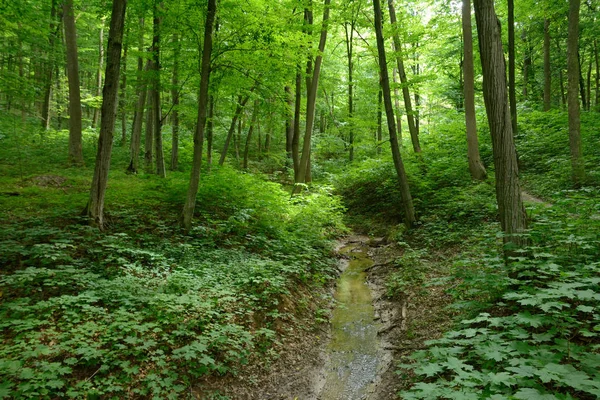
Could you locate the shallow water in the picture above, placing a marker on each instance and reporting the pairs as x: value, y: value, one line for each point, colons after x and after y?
x: 354, y: 352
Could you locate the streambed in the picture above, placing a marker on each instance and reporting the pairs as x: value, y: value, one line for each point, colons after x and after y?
x: 354, y: 355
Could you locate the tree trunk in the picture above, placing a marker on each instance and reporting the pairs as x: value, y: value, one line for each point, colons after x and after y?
x: 581, y: 82
x: 289, y: 123
x: 75, y: 137
x: 547, y: 70
x: 349, y: 30
x: 175, y: 111
x: 209, y: 130
x: 578, y: 172
x: 589, y: 86
x: 123, y: 96
x: 597, y: 75
x: 190, y: 202
x: 138, y: 117
x: 158, y: 143
x: 95, y: 207
x: 379, y: 136
x: 249, y: 135
x: 511, y: 66
x: 561, y: 78
x: 99, y: 72
x: 475, y: 165
x: 54, y: 28
x: 410, y: 116
x: 396, y: 107
x: 513, y: 218
x: 238, y: 111
x: 409, y: 211
x: 311, y: 100
x: 296, y: 125
x: 237, y: 139
x: 149, y: 137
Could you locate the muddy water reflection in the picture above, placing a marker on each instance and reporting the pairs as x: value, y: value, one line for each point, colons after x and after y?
x: 355, y: 354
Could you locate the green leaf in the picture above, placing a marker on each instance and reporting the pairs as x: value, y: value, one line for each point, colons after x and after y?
x: 533, y: 394
x: 430, y: 369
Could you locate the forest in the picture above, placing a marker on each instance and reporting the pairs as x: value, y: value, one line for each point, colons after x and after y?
x: 195, y: 193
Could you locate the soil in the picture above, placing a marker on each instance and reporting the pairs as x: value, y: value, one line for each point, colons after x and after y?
x: 297, y: 372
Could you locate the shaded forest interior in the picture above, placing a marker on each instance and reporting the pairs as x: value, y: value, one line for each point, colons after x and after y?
x: 174, y: 175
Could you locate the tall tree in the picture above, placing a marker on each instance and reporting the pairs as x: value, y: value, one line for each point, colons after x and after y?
x: 175, y: 99
x: 508, y: 192
x: 410, y: 114
x: 249, y: 135
x: 475, y: 165
x: 138, y: 118
x: 123, y: 90
x: 210, y: 130
x: 190, y: 201
x: 311, y: 101
x: 75, y: 136
x: 95, y: 206
x: 547, y: 71
x: 407, y: 203
x: 578, y: 171
x: 156, y: 108
x: 241, y: 103
x: 99, y: 71
x: 511, y: 66
x: 50, y: 68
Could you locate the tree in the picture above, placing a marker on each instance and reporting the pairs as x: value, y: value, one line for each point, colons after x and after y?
x: 175, y: 112
x: 475, y: 165
x: 303, y: 167
x: 249, y: 135
x: 190, y: 201
x: 409, y: 211
x: 511, y: 66
x: 155, y: 93
x: 412, y: 127
x: 95, y: 206
x: 75, y: 136
x: 241, y: 103
x: 508, y: 192
x: 547, y: 71
x: 99, y: 71
x: 578, y: 171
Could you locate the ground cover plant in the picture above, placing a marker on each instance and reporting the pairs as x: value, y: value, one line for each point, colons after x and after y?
x: 143, y: 310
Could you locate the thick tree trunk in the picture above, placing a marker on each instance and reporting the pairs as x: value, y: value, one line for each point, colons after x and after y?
x: 547, y: 70
x: 410, y: 115
x: 475, y: 165
x: 249, y: 135
x: 311, y: 101
x: 75, y: 137
x: 409, y: 211
x: 158, y: 142
x: 175, y: 112
x: 138, y: 118
x: 95, y: 207
x: 513, y: 218
x: 99, y: 72
x: 511, y: 67
x: 578, y: 171
x: 190, y: 202
x: 236, y: 115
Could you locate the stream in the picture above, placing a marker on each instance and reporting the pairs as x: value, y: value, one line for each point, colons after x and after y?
x: 354, y: 354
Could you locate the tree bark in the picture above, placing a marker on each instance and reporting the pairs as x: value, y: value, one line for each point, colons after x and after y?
x: 396, y: 107
x: 547, y: 70
x: 289, y: 123
x: 311, y: 101
x: 238, y: 111
x: 249, y: 135
x: 513, y: 218
x: 581, y: 81
x: 409, y: 211
x: 379, y: 136
x: 138, y: 117
x: 578, y: 171
x: 123, y: 96
x: 475, y: 165
x: 149, y: 137
x: 296, y: 125
x: 588, y: 91
x: 597, y: 105
x: 99, y: 72
x: 156, y: 107
x: 210, y: 130
x: 75, y: 137
x: 190, y: 202
x: 95, y: 207
x: 349, y: 30
x: 175, y: 111
x: 511, y: 66
x: 410, y: 115
x: 54, y: 29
